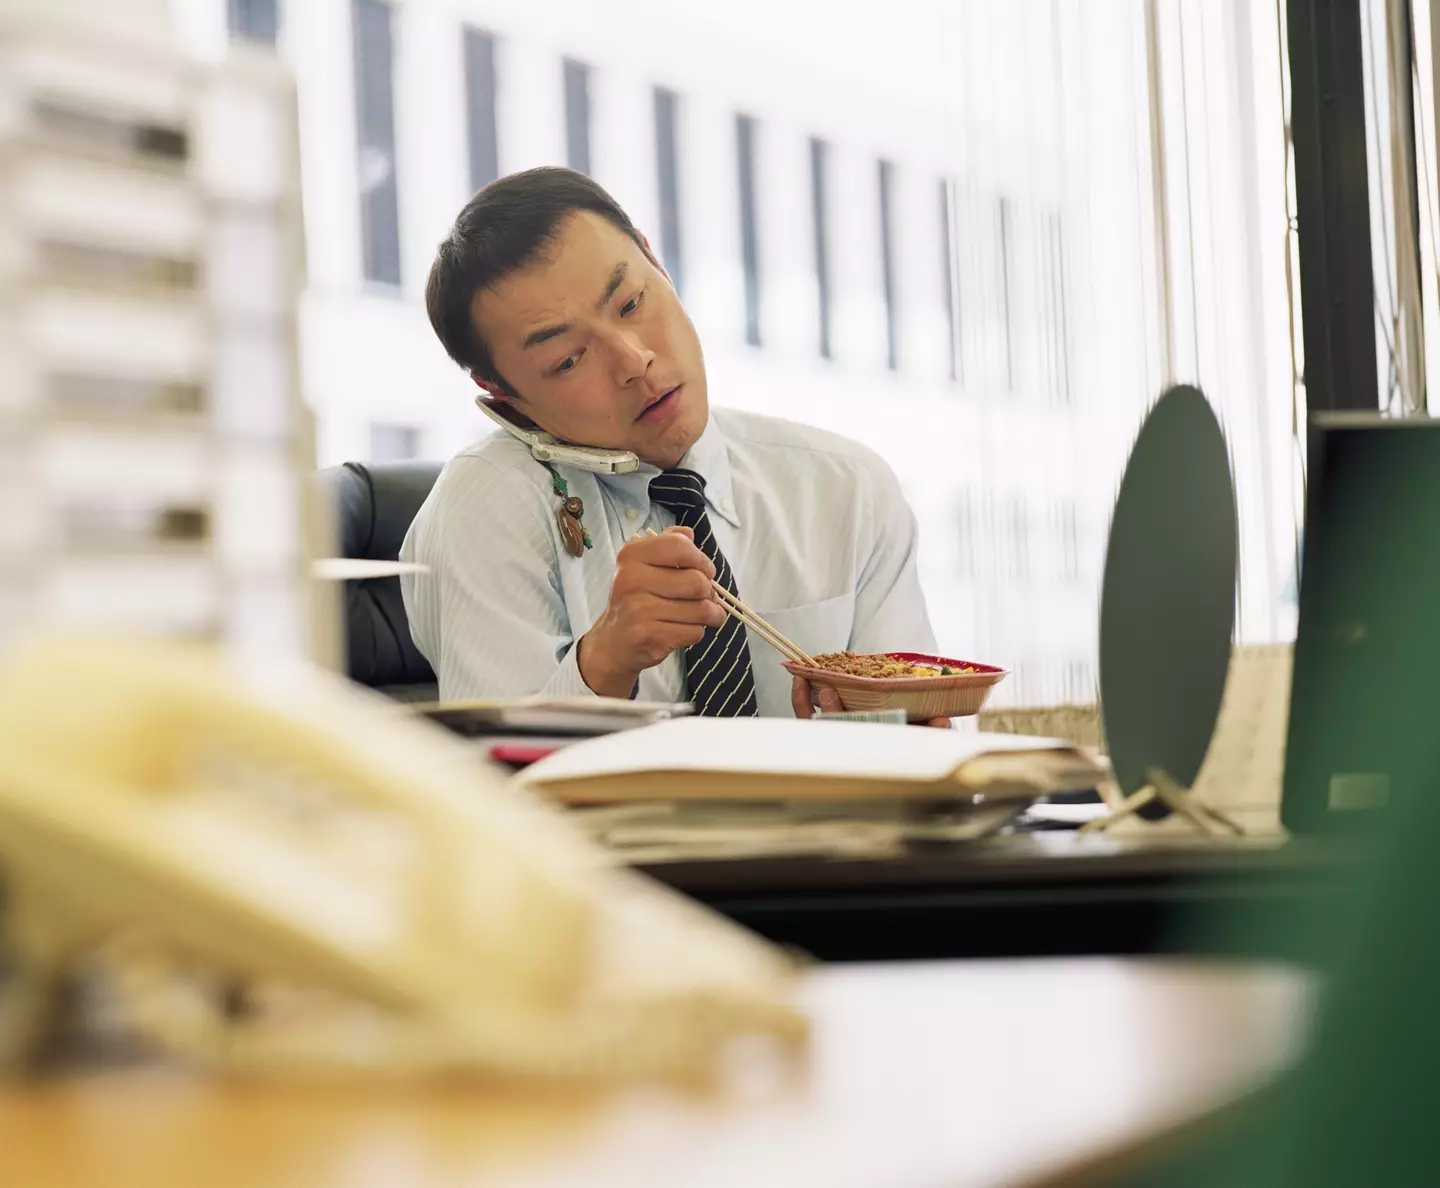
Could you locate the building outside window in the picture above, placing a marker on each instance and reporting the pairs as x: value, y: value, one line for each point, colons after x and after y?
x: 375, y: 131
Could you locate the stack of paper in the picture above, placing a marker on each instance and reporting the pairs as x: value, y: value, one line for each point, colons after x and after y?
x: 653, y: 832
x: 779, y: 759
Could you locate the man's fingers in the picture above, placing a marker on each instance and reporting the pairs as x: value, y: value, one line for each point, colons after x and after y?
x: 669, y: 550
x: 654, y: 608
x: 687, y: 584
x: 800, y: 698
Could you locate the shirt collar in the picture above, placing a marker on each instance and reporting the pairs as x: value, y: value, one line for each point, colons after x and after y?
x: 709, y: 457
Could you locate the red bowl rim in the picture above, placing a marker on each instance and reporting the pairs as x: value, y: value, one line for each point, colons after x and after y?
x: 980, y: 670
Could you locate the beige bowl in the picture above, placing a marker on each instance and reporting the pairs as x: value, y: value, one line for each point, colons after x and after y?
x: 922, y: 698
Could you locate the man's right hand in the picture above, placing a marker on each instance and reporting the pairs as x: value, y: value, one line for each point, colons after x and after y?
x: 660, y: 600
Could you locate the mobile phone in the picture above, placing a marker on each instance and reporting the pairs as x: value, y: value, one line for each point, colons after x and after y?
x: 544, y: 447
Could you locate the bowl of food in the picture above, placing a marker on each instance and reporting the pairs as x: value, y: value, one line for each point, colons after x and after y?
x: 925, y: 687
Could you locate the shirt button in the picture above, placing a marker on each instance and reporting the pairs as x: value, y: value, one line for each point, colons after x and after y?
x: 728, y: 506
x: 631, y: 513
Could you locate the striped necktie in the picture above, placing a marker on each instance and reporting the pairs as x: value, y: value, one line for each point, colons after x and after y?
x: 717, y: 668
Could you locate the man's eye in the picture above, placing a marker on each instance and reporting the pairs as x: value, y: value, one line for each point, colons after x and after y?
x: 569, y: 363
x: 632, y: 305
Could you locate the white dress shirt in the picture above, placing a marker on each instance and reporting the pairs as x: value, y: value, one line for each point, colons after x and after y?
x: 821, y: 540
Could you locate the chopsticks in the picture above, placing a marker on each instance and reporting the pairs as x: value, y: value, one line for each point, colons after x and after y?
x: 738, y: 610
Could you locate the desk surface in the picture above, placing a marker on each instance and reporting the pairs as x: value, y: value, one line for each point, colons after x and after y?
x: 975, y: 1074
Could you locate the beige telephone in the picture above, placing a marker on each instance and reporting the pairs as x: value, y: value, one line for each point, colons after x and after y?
x: 370, y: 894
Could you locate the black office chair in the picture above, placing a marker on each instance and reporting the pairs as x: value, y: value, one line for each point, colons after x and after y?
x: 374, y: 504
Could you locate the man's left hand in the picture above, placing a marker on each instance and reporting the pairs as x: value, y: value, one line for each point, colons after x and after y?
x: 830, y: 703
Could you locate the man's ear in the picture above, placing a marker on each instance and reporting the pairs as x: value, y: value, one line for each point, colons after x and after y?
x: 493, y: 390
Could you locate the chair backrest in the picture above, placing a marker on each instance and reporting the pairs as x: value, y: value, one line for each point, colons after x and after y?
x: 374, y: 504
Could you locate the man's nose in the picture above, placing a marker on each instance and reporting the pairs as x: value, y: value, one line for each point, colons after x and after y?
x: 632, y: 358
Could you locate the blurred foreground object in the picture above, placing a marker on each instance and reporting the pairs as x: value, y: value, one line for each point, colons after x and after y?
x: 967, y: 1074
x: 1358, y: 1107
x: 155, y: 457
x: 284, y: 873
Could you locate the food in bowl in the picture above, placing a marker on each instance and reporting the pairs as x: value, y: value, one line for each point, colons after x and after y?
x: 852, y: 664
x: 924, y: 686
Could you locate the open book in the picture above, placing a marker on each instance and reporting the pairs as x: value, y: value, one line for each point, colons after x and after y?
x: 783, y: 759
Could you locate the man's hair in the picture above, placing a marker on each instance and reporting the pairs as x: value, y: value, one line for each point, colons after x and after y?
x: 507, y: 226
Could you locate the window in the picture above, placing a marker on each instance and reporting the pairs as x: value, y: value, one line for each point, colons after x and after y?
x: 1068, y: 530
x: 1055, y: 314
x: 667, y: 171
x: 255, y: 20
x: 1007, y: 247
x: 820, y: 219
x: 577, y: 115
x: 394, y: 443
x: 887, y: 264
x: 480, y: 108
x: 967, y: 556
x: 375, y: 128
x: 947, y: 253
x: 745, y: 136
x: 981, y: 261
x: 1018, y: 529
x: 1079, y: 683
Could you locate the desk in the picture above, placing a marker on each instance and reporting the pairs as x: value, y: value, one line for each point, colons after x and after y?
x: 1038, y: 894
x: 961, y: 1074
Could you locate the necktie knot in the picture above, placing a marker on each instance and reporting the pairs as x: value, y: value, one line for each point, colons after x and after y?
x: 678, y: 490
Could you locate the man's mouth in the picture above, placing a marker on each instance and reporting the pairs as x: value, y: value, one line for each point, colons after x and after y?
x: 660, y: 407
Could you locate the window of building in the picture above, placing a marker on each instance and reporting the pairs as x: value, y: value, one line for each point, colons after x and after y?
x: 1068, y: 531
x: 394, y: 443
x: 481, y: 125
x: 820, y: 222
x: 1006, y: 219
x: 947, y: 256
x: 1079, y: 683
x: 887, y: 265
x: 745, y: 138
x: 375, y: 128
x: 968, y: 554
x: 981, y: 265
x: 1018, y: 529
x: 577, y: 115
x: 255, y: 20
x: 667, y: 171
x: 1055, y: 299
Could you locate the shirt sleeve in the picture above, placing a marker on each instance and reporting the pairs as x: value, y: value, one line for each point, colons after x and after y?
x: 890, y: 612
x: 489, y: 615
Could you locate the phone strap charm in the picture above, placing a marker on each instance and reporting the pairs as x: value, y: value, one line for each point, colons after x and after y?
x: 569, y: 516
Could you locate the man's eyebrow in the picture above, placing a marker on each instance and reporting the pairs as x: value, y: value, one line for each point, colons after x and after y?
x: 617, y: 278
x: 536, y: 337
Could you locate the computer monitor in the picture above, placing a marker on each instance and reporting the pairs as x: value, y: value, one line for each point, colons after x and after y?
x: 1365, y: 698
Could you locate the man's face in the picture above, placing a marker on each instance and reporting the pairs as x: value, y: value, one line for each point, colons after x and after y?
x: 596, y: 345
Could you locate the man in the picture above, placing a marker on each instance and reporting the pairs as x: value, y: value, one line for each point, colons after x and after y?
x: 554, y: 303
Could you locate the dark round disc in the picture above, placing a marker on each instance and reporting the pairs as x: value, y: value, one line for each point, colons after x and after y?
x: 1167, y: 607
